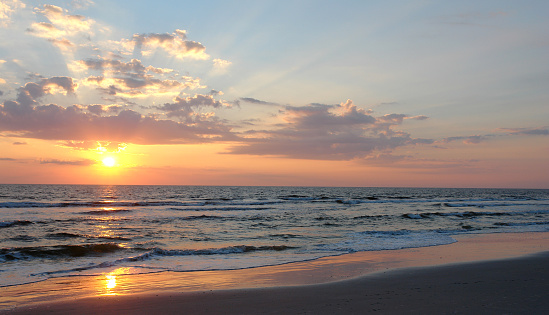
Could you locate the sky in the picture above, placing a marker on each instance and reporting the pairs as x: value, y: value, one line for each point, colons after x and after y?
x: 411, y: 93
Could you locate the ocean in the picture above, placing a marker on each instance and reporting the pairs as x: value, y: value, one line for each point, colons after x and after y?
x: 49, y: 231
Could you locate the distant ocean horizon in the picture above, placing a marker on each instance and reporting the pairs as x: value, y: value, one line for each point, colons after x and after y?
x: 49, y: 231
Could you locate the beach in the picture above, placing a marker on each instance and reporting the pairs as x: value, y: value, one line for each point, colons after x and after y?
x: 490, y: 274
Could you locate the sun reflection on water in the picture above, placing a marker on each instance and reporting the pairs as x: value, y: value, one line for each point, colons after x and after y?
x: 109, y: 286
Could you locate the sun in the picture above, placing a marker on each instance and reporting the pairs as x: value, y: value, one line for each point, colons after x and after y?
x: 109, y: 161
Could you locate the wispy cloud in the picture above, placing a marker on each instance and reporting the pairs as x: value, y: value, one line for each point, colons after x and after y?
x: 543, y: 131
x: 256, y: 101
x: 68, y: 162
x: 7, y: 8
x: 62, y: 28
x: 467, y: 139
x: 220, y: 66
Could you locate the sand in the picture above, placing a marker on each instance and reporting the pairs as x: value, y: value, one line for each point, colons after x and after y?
x: 488, y: 274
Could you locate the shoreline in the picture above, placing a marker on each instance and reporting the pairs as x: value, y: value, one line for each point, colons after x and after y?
x: 364, y: 267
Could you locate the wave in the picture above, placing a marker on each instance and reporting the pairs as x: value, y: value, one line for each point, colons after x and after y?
x: 65, y: 235
x: 24, y: 238
x: 6, y: 224
x: 232, y: 204
x: 129, y: 204
x: 202, y: 217
x: 106, y: 211
x: 390, y: 240
x: 217, y: 208
x: 237, y: 249
x: 60, y: 251
x: 159, y: 252
x: 67, y: 251
x: 492, y: 203
x: 470, y: 214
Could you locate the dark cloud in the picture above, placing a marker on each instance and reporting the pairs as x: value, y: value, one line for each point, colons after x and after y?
x: 328, y: 132
x: 528, y: 131
x: 28, y: 94
x: 256, y: 101
x: 467, y: 139
x: 19, y: 143
x: 506, y: 132
x: 419, y: 117
x: 186, y: 107
x: 102, y: 109
x: 134, y: 66
x: 74, y: 162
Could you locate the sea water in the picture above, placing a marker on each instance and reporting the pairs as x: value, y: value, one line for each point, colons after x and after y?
x: 66, y: 230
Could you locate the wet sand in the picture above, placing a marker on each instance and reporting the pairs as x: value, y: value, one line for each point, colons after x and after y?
x: 488, y: 274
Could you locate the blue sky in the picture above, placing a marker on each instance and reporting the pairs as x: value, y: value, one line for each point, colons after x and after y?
x: 437, y: 89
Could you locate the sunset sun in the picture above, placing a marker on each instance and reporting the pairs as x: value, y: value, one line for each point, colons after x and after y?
x: 109, y: 162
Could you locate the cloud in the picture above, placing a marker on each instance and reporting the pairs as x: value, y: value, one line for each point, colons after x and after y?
x: 19, y: 143
x: 467, y: 139
x: 174, y: 44
x: 220, y: 66
x: 528, y: 131
x: 62, y: 28
x: 81, y: 4
x: 541, y: 131
x: 52, y: 122
x: 71, y: 24
x: 186, y: 107
x: 103, y: 109
x: 410, y: 162
x: 327, y: 132
x: 256, y: 101
x: 68, y: 162
x: 30, y: 92
x: 26, y: 118
x: 7, y: 8
x: 132, y: 79
x: 153, y: 105
x: 418, y: 117
x: 98, y: 146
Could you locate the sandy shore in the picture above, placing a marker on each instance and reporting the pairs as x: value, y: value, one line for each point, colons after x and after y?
x: 488, y: 274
